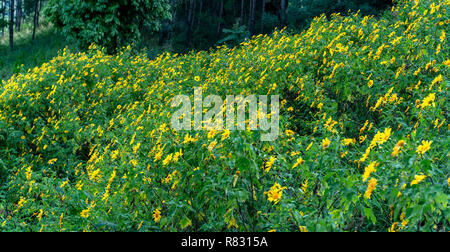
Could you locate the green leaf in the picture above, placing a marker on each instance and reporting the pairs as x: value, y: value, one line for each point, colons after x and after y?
x: 185, y: 222
x: 369, y: 214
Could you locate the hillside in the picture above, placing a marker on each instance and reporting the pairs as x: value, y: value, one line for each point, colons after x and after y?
x: 27, y: 53
x: 86, y: 141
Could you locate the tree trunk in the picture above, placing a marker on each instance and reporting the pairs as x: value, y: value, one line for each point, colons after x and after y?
x: 11, y: 24
x: 174, y: 18
x: 199, y: 14
x: 283, y: 13
x: 3, y: 7
x: 189, y: 23
x: 19, y: 15
x: 242, y: 11
x: 219, y: 26
x: 263, y: 13
x: 36, y: 18
x: 251, y: 23
x: 38, y: 12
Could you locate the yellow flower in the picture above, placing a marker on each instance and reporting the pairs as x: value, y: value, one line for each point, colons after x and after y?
x: 447, y: 62
x: 63, y: 184
x: 114, y: 154
x: 438, y: 49
x: 177, y: 156
x: 370, y: 84
x: 275, y: 193
x: 392, y: 60
x: 189, y: 139
x: 157, y: 215
x: 424, y: 147
x: 381, y: 137
x: 305, y: 186
x: 29, y: 172
x: 52, y: 161
x: 269, y: 164
x: 290, y: 133
x: 303, y: 229
x: 21, y: 202
x: 393, y: 227
x: 132, y: 139
x: 393, y: 98
x: 428, y: 101
x: 79, y: 185
x: 298, y: 162
x: 309, y: 146
x: 369, y: 170
x: 136, y: 148
x: 134, y: 162
x: 211, y: 133
x: 362, y: 138
x: 387, y: 134
x: 397, y: 148
x: 226, y: 134
x: 168, y: 159
x: 348, y: 141
x: 418, y: 179
x: 295, y: 153
x: 330, y: 124
x: 326, y: 143
x: 212, y: 145
x: 233, y: 223
x: 85, y: 213
x: 39, y: 216
x: 372, y: 185
x: 158, y: 156
x: 437, y: 80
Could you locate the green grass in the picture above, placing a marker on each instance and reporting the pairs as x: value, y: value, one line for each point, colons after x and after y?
x: 27, y: 53
x: 48, y: 42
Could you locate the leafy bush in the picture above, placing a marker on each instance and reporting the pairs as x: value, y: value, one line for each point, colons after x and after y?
x: 365, y: 141
x: 108, y: 23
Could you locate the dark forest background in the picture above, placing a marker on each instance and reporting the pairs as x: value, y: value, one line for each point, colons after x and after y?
x: 32, y: 31
x: 200, y: 24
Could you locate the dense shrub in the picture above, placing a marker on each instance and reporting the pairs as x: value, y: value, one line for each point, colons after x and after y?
x: 87, y: 142
x: 111, y: 23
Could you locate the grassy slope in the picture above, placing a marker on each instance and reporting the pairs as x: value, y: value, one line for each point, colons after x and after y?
x: 101, y: 156
x: 27, y: 53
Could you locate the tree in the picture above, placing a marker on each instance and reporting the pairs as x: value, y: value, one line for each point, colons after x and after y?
x: 108, y: 23
x: 283, y: 12
x: 263, y: 13
x: 190, y: 22
x: 3, y: 10
x: 35, y: 18
x: 19, y: 15
x: 219, y: 26
x: 11, y: 24
x: 242, y: 11
x: 251, y: 23
x: 201, y: 24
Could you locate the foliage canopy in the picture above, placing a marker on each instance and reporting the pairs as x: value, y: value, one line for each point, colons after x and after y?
x: 109, y: 23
